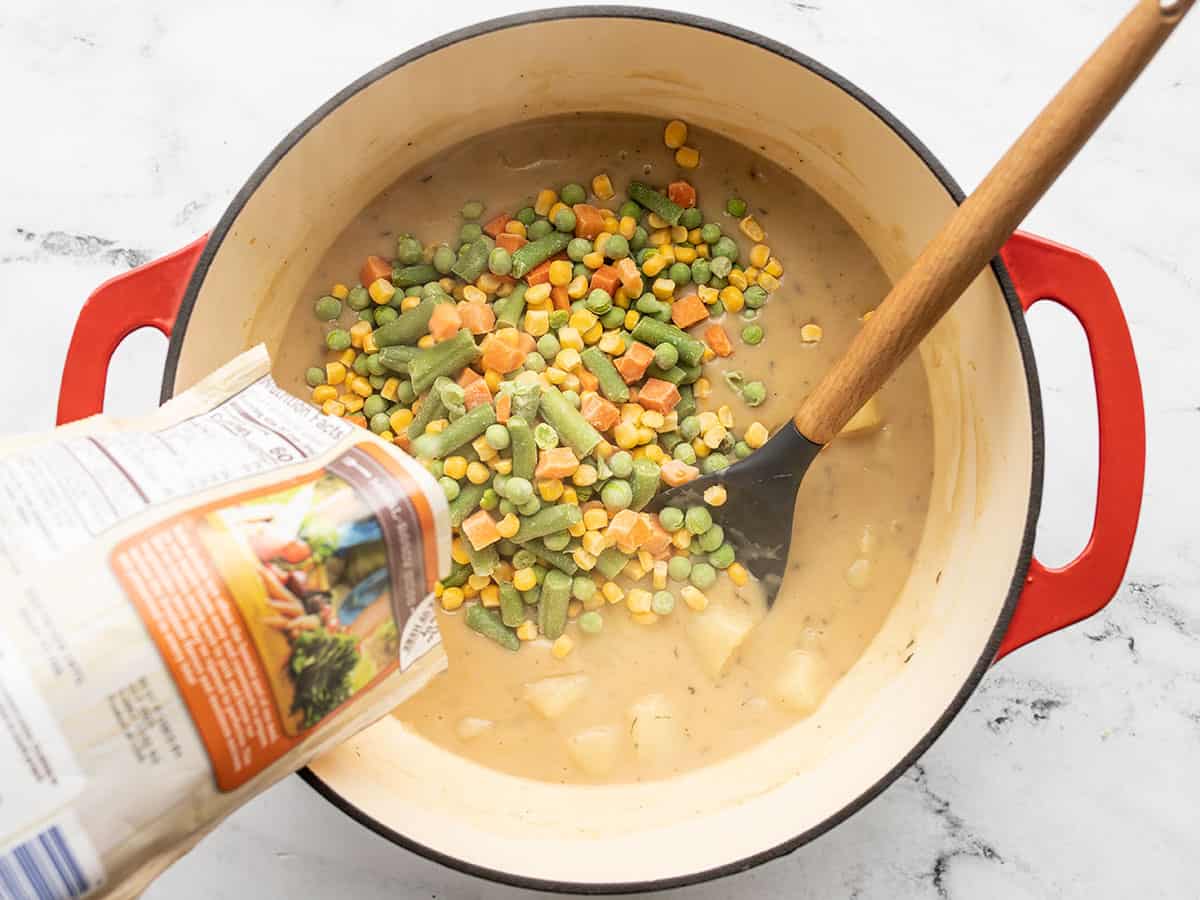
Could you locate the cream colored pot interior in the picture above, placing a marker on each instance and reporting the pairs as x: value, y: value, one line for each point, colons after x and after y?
x: 885, y: 706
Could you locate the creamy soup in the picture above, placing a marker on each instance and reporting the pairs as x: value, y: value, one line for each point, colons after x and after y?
x: 645, y: 701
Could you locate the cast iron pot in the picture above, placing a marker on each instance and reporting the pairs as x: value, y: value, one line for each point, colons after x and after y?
x: 975, y: 593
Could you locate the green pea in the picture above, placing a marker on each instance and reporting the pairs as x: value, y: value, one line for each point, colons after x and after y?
x: 671, y: 518
x: 741, y: 450
x: 617, y: 247
x: 557, y: 541
x: 540, y: 572
x: 374, y: 366
x: 472, y: 209
x: 647, y: 304
x: 408, y: 250
x: 713, y: 463
x: 679, y: 568
x: 637, y: 243
x: 559, y: 318
x: 599, y: 302
x: 506, y: 548
x: 531, y: 507
x: 662, y: 603
x: 379, y: 422
x: 691, y: 218
x: 572, y: 193
x: 583, y: 588
x: 752, y: 334
x: 490, y: 500
x: 584, y: 494
x: 690, y: 427
x: 535, y: 362
x: 497, y: 437
x: 720, y: 267
x: 434, y: 289
x: 685, y: 453
x: 539, y: 229
x: 470, y: 232
x: 450, y: 487
x: 621, y: 464
x: 573, y: 398
x: 374, y: 405
x: 711, y: 539
x: 385, y: 314
x: 435, y: 467
x: 548, y: 346
x: 360, y: 365
x: 579, y: 270
x: 443, y: 258
x: 735, y: 206
x: 499, y: 261
x: 718, y: 282
x: 315, y: 376
x: 525, y: 215
x: 564, y: 221
x: 545, y: 437
x: 722, y: 557
x: 377, y: 382
x: 506, y: 508
x: 616, y: 494
x: 405, y: 393
x: 680, y: 273
x: 591, y: 622
x: 726, y: 247
x: 697, y: 519
x: 710, y: 233
x: 578, y: 248
x: 703, y: 576
x: 630, y: 208
x: 516, y: 489
x: 358, y: 299
x: 338, y: 340
x: 416, y: 290
x: 754, y: 393
x: 701, y: 271
x: 614, y: 318
x: 666, y: 355
x: 327, y: 308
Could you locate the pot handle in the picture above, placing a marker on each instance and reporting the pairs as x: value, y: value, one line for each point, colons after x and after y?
x: 146, y: 296
x: 1055, y: 598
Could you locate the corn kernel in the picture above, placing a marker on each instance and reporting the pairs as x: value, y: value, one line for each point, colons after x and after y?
x: 612, y: 592
x: 457, y: 293
x: 562, y: 646
x: 631, y: 319
x: 594, y: 543
x: 550, y: 489
x: 602, y: 186
x: 657, y: 222
x: 701, y: 448
x: 538, y: 293
x: 716, y: 495
x: 469, y: 592
x: 381, y: 290
x: 585, y: 476
x: 504, y: 290
x: 611, y: 225
x: 768, y: 283
x: 733, y: 298
x: 458, y: 552
x: 664, y: 288
x: 593, y: 334
x: 581, y: 320
x: 483, y: 448
x: 537, y: 322
x: 694, y: 598
x: 400, y: 420
x: 596, y: 519
x: 702, y: 251
x: 751, y: 229
x: 455, y: 467
x: 437, y: 426
x: 583, y: 559
x: 558, y: 207
x: 527, y: 631
x: 576, y: 530
x: 652, y: 418
x: 555, y: 375
x: 352, y: 402
x: 714, y: 436
x: 426, y: 341
x: 389, y: 389
x: 638, y: 600
x: 570, y: 338
x: 574, y: 608
x: 625, y: 435
x: 477, y: 473
x: 489, y: 596
x: 488, y: 283
x: 335, y: 373
x: 409, y: 303
x: 709, y: 354
x: 560, y: 273
x: 593, y: 260
x: 546, y: 198
x: 687, y: 157
x: 760, y: 254
x: 452, y: 598
x: 627, y: 227
x: 567, y: 359
x: 654, y: 264
x: 646, y: 618
x: 867, y: 315
x: 660, y: 236
x: 694, y: 236
x: 756, y: 435
x: 708, y: 295
x: 702, y: 388
x: 358, y: 331
x: 685, y: 254
x: 493, y: 380
x: 515, y: 226
x: 738, y: 575
x: 577, y: 288
x: 738, y: 279
x: 773, y: 267
x: 678, y: 234
x: 569, y: 496
x: 333, y: 408
x: 340, y: 291
x: 524, y: 579
x: 612, y: 343
x: 681, y: 539
x: 386, y: 435
x: 473, y: 294
x: 675, y: 134
x: 323, y: 393
x: 811, y: 333
x: 508, y: 526
x: 751, y: 274
x: 502, y: 466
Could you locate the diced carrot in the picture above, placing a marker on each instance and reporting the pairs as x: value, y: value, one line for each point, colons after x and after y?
x: 402, y: 441
x: 718, y: 340
x: 480, y: 529
x: 658, y: 395
x: 360, y: 420
x: 589, y: 222
x: 494, y: 228
x: 659, y: 541
x: 525, y: 342
x: 468, y: 376
x: 688, y: 310
x: 634, y: 362
x: 606, y: 278
x: 602, y: 414
x: 682, y: 193
x: 539, y: 274
x: 558, y: 296
x: 375, y: 267
x: 500, y: 356
x: 476, y: 394
x: 588, y: 381
x: 560, y: 462
x: 676, y: 472
x: 477, y: 317
x: 445, y: 321
x: 503, y: 407
x: 631, y: 278
x: 640, y: 532
x: 510, y: 242
x: 620, y: 529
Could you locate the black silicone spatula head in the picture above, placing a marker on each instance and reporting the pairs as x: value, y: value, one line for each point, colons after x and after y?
x: 757, y: 515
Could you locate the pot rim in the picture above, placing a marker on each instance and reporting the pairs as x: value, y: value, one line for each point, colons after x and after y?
x: 1016, y: 313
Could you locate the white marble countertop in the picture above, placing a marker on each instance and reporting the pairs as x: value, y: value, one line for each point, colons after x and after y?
x: 1072, y: 771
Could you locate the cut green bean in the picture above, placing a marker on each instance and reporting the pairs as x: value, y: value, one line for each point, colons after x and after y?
x: 412, y: 276
x: 612, y: 385
x: 509, y: 309
x: 653, y: 332
x: 447, y: 358
x: 576, y: 432
x: 483, y: 562
x: 459, y: 573
x: 411, y: 326
x: 512, y: 607
x: 472, y: 259
x: 467, y: 501
x: 465, y: 428
x: 526, y: 399
x: 552, y: 606
x: 687, y: 402
x: 610, y: 562
x: 675, y: 375
x: 488, y: 624
x: 524, y: 451
x: 397, y: 358
x: 559, y: 517
x: 657, y: 203
x: 533, y: 254
x: 431, y: 409
x: 645, y: 482
x: 564, y: 562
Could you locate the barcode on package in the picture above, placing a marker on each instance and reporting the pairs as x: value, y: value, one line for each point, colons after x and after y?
x: 59, y: 863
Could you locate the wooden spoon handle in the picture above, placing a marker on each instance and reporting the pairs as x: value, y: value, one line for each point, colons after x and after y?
x: 986, y: 219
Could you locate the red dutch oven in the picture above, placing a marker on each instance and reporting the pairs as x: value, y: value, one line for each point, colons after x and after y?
x: 975, y: 595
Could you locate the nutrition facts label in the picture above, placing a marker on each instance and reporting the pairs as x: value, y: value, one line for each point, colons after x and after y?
x: 62, y: 495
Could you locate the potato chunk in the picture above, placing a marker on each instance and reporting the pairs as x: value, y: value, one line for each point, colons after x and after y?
x: 554, y: 695
x: 803, y: 682
x: 716, y: 634
x: 594, y: 750
x: 655, y: 731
